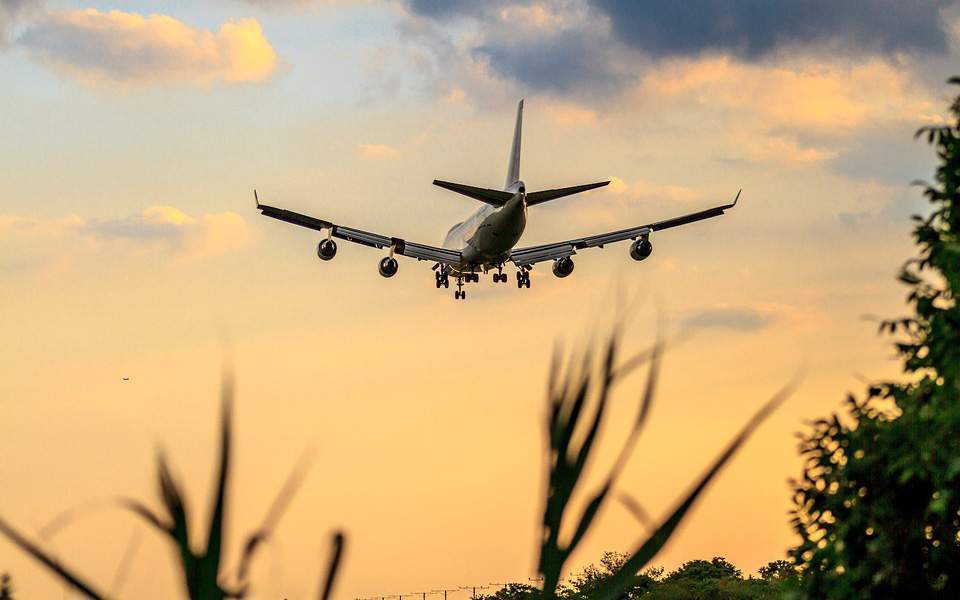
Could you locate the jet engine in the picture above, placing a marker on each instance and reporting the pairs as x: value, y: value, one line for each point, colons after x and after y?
x: 327, y: 249
x: 640, y: 249
x: 562, y: 267
x: 388, y: 266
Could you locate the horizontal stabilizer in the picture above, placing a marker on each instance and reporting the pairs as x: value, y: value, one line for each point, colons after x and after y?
x: 493, y: 197
x: 547, y: 195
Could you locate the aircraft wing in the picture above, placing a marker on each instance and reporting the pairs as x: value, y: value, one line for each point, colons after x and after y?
x: 534, y: 254
x: 374, y: 240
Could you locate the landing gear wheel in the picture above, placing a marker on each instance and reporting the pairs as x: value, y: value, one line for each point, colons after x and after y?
x: 523, y: 279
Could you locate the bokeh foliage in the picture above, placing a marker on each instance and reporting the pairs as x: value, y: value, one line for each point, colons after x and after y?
x: 878, y: 506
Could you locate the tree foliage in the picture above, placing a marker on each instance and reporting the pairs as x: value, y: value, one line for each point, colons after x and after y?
x: 877, y: 507
x: 698, y: 570
x: 715, y: 579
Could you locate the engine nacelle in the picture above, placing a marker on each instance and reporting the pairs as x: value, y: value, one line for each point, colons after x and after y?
x: 641, y: 249
x: 327, y: 249
x: 388, y: 266
x: 562, y: 267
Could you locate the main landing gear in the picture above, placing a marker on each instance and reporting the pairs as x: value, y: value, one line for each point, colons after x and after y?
x: 499, y: 276
x: 442, y: 280
x: 523, y: 279
x: 460, y: 294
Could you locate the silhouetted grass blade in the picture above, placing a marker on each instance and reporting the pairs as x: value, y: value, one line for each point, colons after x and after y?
x: 339, y: 540
x: 567, y: 464
x: 276, y: 510
x: 51, y: 563
x: 210, y: 561
x: 615, y: 586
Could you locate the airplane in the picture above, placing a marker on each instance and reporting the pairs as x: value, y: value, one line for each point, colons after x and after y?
x: 486, y: 240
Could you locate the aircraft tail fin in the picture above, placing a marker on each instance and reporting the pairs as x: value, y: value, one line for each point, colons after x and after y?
x: 547, y: 195
x: 492, y: 197
x: 513, y: 169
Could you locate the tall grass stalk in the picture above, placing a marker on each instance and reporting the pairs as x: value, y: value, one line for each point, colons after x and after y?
x: 570, y: 390
x: 202, y: 570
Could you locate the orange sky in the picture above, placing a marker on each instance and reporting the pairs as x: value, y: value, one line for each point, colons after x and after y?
x: 130, y: 247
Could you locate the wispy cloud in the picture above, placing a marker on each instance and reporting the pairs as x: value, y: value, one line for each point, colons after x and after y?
x: 163, y: 229
x: 377, y: 151
x: 132, y: 49
x: 733, y: 318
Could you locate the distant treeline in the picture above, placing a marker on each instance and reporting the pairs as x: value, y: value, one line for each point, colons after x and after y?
x: 714, y: 579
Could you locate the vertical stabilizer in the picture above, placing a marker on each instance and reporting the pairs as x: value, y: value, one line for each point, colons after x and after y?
x: 513, y: 169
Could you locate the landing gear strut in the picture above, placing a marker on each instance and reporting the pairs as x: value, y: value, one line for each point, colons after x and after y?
x: 523, y: 278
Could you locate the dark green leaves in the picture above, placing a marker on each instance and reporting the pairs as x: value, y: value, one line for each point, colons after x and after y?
x: 876, y: 508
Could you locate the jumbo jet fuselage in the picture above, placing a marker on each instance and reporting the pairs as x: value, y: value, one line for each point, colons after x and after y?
x: 488, y: 236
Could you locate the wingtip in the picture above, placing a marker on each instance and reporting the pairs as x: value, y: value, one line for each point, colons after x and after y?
x: 256, y: 198
x: 736, y: 198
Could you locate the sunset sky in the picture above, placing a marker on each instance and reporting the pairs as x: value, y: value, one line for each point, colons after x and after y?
x: 132, y: 134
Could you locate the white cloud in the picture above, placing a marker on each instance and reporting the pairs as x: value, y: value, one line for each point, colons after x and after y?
x: 132, y: 49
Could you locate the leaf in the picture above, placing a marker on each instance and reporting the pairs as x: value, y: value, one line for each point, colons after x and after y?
x: 49, y: 562
x: 209, y: 567
x: 339, y: 540
x: 146, y: 514
x: 273, y: 515
x: 179, y: 528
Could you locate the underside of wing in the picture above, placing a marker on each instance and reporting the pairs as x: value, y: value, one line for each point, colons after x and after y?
x: 534, y: 254
x: 358, y: 236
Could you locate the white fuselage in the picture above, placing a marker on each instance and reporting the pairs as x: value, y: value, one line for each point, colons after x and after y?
x: 486, y: 237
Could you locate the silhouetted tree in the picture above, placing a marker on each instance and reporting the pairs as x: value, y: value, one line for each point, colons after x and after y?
x: 777, y: 570
x: 585, y: 584
x: 514, y: 591
x: 718, y: 568
x: 877, y: 507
